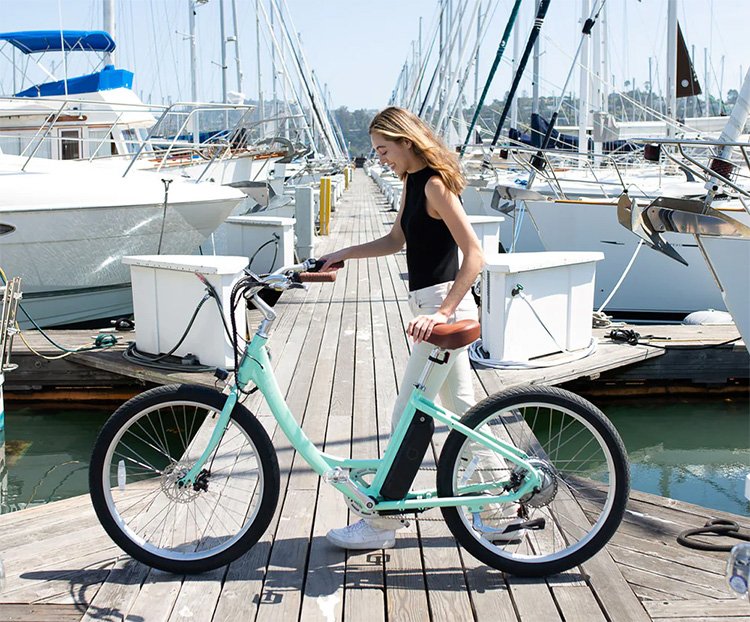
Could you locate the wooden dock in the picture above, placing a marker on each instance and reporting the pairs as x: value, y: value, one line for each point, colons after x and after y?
x: 339, y: 350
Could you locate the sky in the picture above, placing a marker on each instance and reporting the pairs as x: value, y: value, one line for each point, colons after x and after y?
x: 357, y: 47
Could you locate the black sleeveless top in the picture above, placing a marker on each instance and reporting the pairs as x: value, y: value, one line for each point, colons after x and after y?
x: 431, y: 251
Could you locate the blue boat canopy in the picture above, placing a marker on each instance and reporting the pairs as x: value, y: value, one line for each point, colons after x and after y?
x: 32, y: 41
x: 104, y: 80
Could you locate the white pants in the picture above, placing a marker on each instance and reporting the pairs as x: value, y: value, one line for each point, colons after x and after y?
x: 452, y: 380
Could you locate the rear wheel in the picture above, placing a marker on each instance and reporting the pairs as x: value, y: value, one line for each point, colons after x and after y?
x: 582, y: 498
x: 144, y: 449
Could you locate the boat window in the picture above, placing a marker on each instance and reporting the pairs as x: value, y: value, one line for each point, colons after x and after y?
x: 103, y: 143
x: 130, y: 136
x: 70, y: 144
x: 16, y: 143
x: 143, y: 134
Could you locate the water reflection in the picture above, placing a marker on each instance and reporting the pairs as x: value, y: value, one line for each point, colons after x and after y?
x: 47, y: 451
x: 692, y: 450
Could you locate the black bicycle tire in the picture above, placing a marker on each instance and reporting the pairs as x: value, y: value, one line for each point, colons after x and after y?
x: 556, y: 397
x: 215, y: 400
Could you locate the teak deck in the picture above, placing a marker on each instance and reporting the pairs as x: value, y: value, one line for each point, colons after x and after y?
x: 339, y: 351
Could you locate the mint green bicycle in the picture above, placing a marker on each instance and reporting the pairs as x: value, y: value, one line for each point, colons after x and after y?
x: 531, y: 481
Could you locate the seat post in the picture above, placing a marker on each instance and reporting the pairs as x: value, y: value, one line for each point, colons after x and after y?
x: 432, y: 360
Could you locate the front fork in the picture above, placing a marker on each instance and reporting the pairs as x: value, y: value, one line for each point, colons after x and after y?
x: 191, y: 478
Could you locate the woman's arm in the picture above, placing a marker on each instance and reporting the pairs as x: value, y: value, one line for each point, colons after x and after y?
x: 443, y: 204
x: 390, y: 243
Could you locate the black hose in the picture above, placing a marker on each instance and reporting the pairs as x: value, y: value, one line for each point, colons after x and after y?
x: 716, y: 527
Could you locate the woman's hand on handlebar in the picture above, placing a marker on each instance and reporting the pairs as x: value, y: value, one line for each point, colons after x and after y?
x: 334, y: 261
x: 420, y: 328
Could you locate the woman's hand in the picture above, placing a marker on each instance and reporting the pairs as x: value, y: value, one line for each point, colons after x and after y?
x: 333, y: 258
x: 420, y: 328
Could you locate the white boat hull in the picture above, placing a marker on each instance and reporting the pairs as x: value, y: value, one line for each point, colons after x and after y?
x: 67, y: 228
x: 730, y: 258
x: 655, y: 283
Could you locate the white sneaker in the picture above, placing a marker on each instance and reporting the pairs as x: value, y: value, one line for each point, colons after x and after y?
x: 362, y: 535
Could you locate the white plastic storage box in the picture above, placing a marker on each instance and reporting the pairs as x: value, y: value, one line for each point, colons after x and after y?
x: 166, y: 292
x: 267, y: 240
x: 557, y: 293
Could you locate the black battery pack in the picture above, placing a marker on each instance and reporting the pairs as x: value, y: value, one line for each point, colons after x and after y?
x: 409, y: 457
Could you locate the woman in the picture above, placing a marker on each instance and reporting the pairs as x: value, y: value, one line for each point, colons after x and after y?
x: 433, y: 225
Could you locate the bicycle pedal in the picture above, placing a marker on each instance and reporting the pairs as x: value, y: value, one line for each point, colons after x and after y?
x: 534, y: 523
x: 513, y: 529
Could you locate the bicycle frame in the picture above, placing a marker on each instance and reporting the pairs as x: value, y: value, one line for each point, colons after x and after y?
x: 255, y: 367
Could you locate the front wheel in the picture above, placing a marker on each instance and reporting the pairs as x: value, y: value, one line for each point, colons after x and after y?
x: 144, y: 449
x: 585, y: 481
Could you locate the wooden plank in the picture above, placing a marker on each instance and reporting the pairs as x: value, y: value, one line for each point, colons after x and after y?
x: 282, y: 588
x: 406, y: 594
x: 324, y: 581
x: 646, y: 594
x: 116, y: 596
x: 672, y: 508
x: 673, y: 553
x: 365, y: 582
x: 198, y: 597
x: 578, y: 603
x: 668, y: 585
x: 653, y: 564
x: 157, y: 597
x: 607, y: 356
x: 706, y: 609
x: 323, y: 597
x: 17, y: 612
x: 533, y: 599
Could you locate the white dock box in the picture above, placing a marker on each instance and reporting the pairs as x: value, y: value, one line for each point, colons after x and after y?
x: 487, y: 229
x: 165, y: 295
x: 268, y: 240
x: 558, y: 287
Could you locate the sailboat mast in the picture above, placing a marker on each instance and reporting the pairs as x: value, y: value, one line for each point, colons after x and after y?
x: 707, y: 111
x: 596, y: 82
x: 514, y: 68
x: 538, y: 21
x: 583, y: 86
x: 223, y: 53
x: 274, y: 80
x: 109, y: 26
x: 193, y: 69
x: 237, y: 47
x: 493, y: 69
x: 671, y: 66
x: 476, y: 60
x: 257, y: 49
x: 534, y: 69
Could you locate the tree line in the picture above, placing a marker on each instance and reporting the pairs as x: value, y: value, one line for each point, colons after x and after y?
x: 639, y: 104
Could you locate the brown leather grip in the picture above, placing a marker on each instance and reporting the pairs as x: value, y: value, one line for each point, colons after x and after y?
x: 317, y: 277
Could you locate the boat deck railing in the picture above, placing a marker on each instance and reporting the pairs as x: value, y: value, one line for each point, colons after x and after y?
x: 165, y: 135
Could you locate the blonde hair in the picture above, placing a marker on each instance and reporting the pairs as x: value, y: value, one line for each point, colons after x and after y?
x: 397, y: 124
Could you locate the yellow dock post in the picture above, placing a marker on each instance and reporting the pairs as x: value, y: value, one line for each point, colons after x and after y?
x: 347, y: 173
x: 325, y: 205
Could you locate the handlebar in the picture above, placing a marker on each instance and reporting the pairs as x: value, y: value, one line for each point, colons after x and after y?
x: 288, y: 277
x: 316, y: 277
